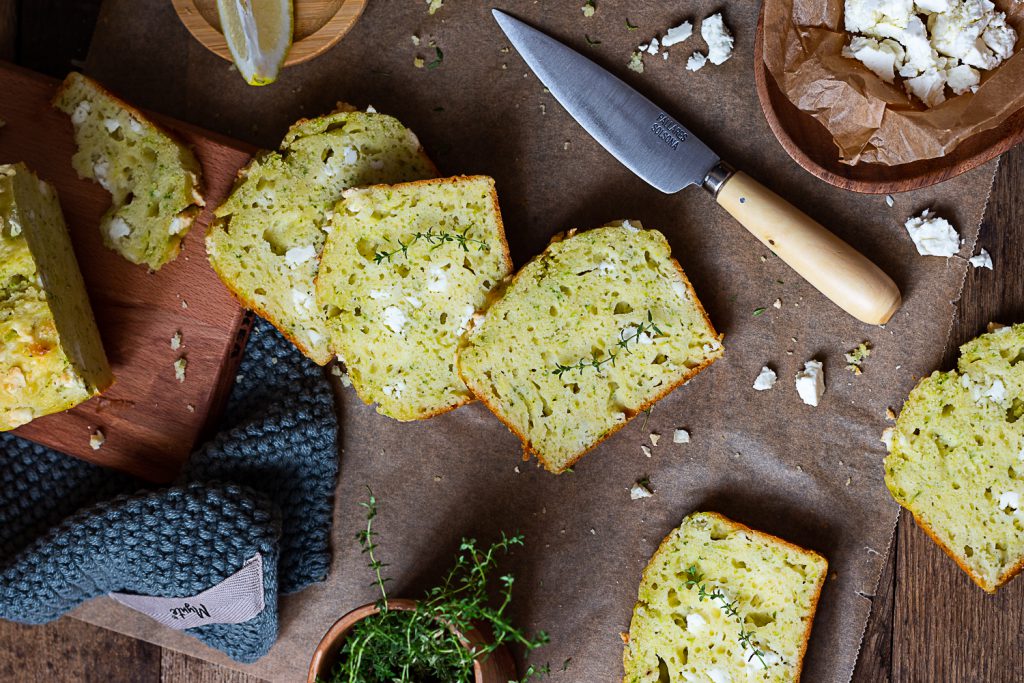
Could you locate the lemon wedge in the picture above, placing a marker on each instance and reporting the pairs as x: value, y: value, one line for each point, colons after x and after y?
x: 259, y: 34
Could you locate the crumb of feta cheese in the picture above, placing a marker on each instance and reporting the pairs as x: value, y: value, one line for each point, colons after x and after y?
x: 636, y: 62
x: 646, y: 450
x: 190, y: 407
x: 765, y: 379
x: 889, y: 414
x: 176, y: 341
x: 696, y: 61
x: 718, y: 38
x: 680, y: 436
x: 855, y: 357
x: 677, y: 34
x: 184, y: 304
x: 415, y: 40
x: 641, y: 489
x: 655, y: 438
x: 434, y: 5
x: 589, y: 8
x: 932, y: 235
x: 418, y: 62
x: 777, y: 303
x: 981, y: 260
x: 97, y: 439
x: 810, y: 383
x: 889, y: 200
x: 883, y: 58
x: 179, y: 369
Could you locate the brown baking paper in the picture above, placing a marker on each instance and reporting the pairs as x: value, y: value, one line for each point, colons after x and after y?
x: 870, y: 120
x: 810, y: 475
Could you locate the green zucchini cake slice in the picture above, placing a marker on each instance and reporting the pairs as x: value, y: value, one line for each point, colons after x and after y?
x: 154, y: 180
x: 265, y: 240
x: 589, y: 333
x: 51, y: 355
x: 956, y: 457
x: 722, y: 603
x: 404, y: 269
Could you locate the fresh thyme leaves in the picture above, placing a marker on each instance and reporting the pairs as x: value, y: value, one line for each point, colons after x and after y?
x: 423, y: 644
x: 759, y: 311
x: 435, y: 239
x: 746, y: 638
x: 439, y: 57
x: 629, y: 334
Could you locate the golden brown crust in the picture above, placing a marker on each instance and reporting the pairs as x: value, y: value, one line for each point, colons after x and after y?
x: 528, y: 448
x: 764, y: 536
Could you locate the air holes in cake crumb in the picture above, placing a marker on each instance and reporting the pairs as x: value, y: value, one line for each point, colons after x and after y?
x: 1015, y: 410
x: 259, y: 291
x: 623, y: 308
x: 553, y: 312
x: 326, y: 155
x: 659, y: 359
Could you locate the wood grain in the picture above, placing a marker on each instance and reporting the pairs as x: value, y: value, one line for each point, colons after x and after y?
x: 319, y: 24
x: 69, y: 650
x: 150, y: 420
x: 178, y: 668
x: 811, y: 145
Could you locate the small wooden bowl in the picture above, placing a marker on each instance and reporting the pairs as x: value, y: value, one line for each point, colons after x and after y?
x: 497, y: 668
x: 319, y: 24
x: 811, y: 145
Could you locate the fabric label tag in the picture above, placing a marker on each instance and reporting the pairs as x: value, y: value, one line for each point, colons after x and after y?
x: 234, y: 600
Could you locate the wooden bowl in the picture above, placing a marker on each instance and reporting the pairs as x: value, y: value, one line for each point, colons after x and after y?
x: 497, y: 668
x: 811, y: 145
x: 319, y: 24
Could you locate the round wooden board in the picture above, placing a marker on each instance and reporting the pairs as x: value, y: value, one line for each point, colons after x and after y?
x: 811, y: 145
x: 319, y: 24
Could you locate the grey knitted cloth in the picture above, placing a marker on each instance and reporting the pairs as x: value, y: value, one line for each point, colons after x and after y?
x: 70, y: 531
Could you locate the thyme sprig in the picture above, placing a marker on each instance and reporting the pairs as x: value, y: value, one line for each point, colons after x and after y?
x: 407, y: 646
x: 435, y: 239
x: 746, y: 638
x: 621, y: 346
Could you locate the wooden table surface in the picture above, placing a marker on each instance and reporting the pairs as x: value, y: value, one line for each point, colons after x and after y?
x: 929, y: 622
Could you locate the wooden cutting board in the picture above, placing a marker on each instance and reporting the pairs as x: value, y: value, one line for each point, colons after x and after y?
x: 150, y: 420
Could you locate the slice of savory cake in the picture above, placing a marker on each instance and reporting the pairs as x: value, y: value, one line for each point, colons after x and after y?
x: 265, y: 240
x: 154, y: 180
x: 594, y: 330
x: 404, y: 269
x: 51, y: 356
x: 723, y: 603
x: 956, y: 457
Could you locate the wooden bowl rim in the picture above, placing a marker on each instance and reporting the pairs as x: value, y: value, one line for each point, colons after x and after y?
x: 914, y: 181
x: 325, y: 37
x: 337, y: 632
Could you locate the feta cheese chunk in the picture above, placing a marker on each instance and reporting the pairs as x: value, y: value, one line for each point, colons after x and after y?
x: 97, y: 439
x: 296, y: 256
x: 810, y: 383
x: 395, y: 319
x: 963, y: 78
x: 932, y: 235
x: 680, y: 436
x: 982, y: 260
x: 640, y: 490
x: 718, y: 38
x: 929, y: 87
x: 1009, y: 499
x: 695, y: 623
x: 765, y: 379
x: 677, y: 34
x: 882, y: 58
x: 696, y: 61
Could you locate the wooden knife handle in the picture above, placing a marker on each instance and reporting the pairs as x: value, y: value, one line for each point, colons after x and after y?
x: 836, y: 269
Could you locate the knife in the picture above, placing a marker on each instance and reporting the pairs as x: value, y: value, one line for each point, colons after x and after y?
x: 656, y: 147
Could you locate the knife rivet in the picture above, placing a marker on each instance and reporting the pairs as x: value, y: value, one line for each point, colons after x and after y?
x: 743, y: 200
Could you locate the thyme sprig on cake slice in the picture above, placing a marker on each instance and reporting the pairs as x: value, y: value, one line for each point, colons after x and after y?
x: 435, y: 238
x: 425, y: 644
x: 630, y: 334
x: 746, y: 638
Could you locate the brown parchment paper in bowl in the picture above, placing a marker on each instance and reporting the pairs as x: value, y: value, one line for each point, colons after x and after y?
x: 810, y: 475
x: 870, y: 120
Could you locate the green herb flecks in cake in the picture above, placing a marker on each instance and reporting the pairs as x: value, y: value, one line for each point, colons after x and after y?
x: 956, y: 457
x: 266, y: 239
x: 588, y: 334
x: 404, y: 269
x: 154, y: 180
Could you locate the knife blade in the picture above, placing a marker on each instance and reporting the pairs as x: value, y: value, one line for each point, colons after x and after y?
x: 663, y: 152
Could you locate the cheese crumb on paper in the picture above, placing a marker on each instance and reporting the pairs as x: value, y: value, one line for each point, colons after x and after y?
x: 97, y: 439
x: 640, y: 490
x: 765, y: 379
x: 176, y: 341
x: 933, y: 235
x: 810, y: 383
x: 718, y: 38
x: 179, y: 369
x: 696, y: 61
x: 680, y: 436
x: 677, y: 34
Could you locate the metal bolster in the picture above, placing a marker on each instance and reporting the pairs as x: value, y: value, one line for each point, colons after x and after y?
x: 716, y: 177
